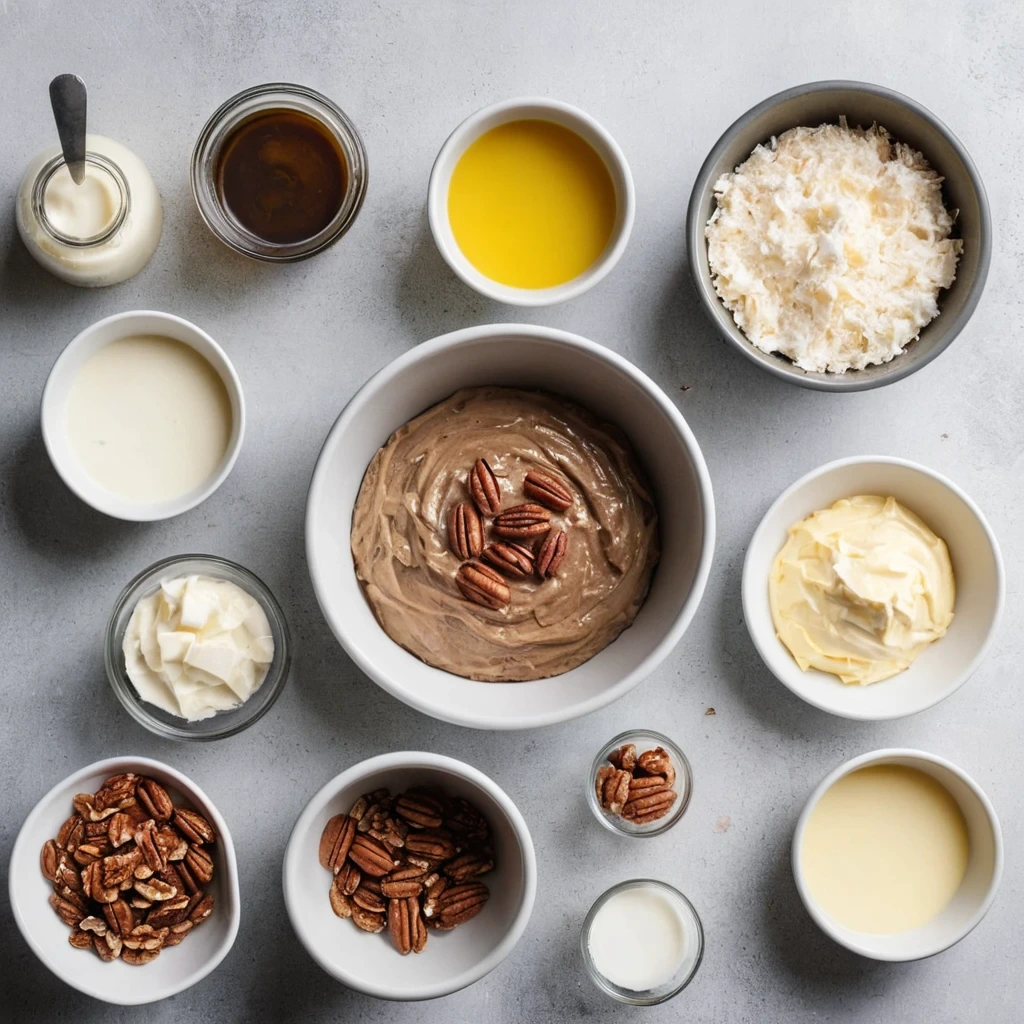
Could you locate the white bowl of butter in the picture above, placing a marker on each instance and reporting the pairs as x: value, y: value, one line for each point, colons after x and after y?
x: 897, y: 855
x: 874, y: 637
x: 143, y: 415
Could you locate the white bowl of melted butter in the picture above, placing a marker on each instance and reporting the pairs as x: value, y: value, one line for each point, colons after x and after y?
x: 923, y: 664
x: 143, y: 416
x: 897, y: 855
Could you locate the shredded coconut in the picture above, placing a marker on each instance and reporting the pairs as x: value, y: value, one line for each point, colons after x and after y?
x: 830, y: 245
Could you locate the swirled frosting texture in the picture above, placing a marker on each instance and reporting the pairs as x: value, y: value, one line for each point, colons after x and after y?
x: 401, y: 553
x: 861, y: 589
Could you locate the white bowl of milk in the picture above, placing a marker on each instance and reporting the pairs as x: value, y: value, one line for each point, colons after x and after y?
x: 897, y: 855
x: 143, y: 416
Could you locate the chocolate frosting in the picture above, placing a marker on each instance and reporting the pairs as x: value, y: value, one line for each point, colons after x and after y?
x: 407, y: 570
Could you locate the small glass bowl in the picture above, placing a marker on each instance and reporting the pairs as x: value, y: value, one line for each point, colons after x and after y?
x: 642, y: 739
x: 692, y: 927
x: 241, y: 108
x: 224, y: 723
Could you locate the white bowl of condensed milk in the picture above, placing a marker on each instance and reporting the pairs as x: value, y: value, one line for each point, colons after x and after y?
x: 143, y: 416
x: 897, y: 855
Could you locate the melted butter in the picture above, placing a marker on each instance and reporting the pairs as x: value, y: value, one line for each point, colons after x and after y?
x: 885, y: 849
x: 531, y: 204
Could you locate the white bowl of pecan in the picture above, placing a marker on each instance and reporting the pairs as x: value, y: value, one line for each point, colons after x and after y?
x: 410, y: 876
x: 124, y: 883
x: 578, y: 371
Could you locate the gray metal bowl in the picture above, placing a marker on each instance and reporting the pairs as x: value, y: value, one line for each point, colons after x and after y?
x: 824, y: 102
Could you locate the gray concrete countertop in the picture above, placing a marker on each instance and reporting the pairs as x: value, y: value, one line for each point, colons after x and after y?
x: 665, y: 78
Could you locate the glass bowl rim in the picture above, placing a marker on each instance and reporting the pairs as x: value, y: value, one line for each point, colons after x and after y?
x: 615, y: 991
x: 277, y: 675
x: 683, y: 770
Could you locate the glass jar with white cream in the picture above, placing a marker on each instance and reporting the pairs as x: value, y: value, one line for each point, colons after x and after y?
x: 642, y: 942
x: 97, y: 233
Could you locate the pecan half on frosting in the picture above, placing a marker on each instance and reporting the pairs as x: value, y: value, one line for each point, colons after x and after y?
x: 465, y: 531
x: 483, y: 486
x: 483, y: 586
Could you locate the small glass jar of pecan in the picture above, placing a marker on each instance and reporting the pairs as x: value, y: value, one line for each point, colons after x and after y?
x: 639, y: 784
x: 130, y: 870
x: 408, y: 863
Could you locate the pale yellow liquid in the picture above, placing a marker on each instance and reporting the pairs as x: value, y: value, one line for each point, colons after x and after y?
x: 531, y: 204
x: 149, y: 418
x: 885, y: 849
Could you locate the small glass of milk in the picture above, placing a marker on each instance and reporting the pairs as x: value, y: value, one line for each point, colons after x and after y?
x: 642, y: 942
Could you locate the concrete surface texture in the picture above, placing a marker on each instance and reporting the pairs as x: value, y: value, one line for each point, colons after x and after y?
x: 665, y: 78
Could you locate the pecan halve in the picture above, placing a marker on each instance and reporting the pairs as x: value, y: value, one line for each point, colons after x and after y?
x: 193, y: 826
x: 80, y: 939
x: 139, y: 957
x: 522, y: 522
x: 482, y: 585
x: 465, y: 531
x: 371, y: 856
x: 85, y: 804
x: 71, y: 833
x: 108, y: 947
x: 400, y: 890
x: 432, y: 843
x: 348, y: 878
x: 200, y: 864
x: 423, y: 810
x: 120, y: 830
x: 549, y: 491
x: 405, y: 925
x: 335, y: 841
x: 624, y: 757
x: 367, y: 920
x: 657, y: 762
x: 119, y: 867
x: 649, y: 806
x: 552, y: 554
x: 155, y: 799
x: 366, y: 898
x: 468, y: 865
x: 171, y: 843
x: 616, y: 791
x: 341, y: 902
x: 50, y: 855
x: 484, y: 488
x: 67, y: 911
x: 169, y: 912
x: 644, y: 785
x: 461, y: 902
x: 118, y: 791
x: 145, y: 840
x: 177, y: 932
x: 93, y: 887
x: 515, y: 560
x: 119, y: 916
x: 200, y: 911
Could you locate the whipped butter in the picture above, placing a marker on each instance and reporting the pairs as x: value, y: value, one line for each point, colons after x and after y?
x: 197, y: 645
x: 861, y: 589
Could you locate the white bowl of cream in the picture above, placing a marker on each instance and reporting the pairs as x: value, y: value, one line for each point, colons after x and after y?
x: 956, y: 647
x: 897, y: 855
x: 143, y: 416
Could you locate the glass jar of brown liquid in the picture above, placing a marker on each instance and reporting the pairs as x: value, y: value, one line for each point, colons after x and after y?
x: 279, y: 172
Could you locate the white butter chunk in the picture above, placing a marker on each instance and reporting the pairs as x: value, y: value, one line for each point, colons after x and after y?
x: 197, y: 646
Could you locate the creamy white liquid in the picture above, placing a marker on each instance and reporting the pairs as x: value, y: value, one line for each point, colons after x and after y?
x: 82, y: 211
x: 149, y: 418
x: 885, y: 849
x: 638, y: 939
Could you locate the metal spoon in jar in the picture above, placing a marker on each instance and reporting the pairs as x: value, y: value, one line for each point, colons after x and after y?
x: 67, y: 97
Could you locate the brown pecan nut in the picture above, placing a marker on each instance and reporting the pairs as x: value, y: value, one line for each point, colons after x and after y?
x: 145, y: 840
x: 461, y: 902
x: 155, y: 799
x: 93, y: 887
x: 348, y: 878
x: 372, y: 857
x: 341, y: 902
x: 468, y: 865
x: 118, y: 791
x: 120, y: 830
x: 68, y: 912
x: 465, y: 531
x: 177, y: 932
x: 119, y: 916
x: 435, y: 890
x: 108, y: 947
x: 483, y: 486
x: 169, y: 912
x: 67, y: 875
x: 139, y: 957
x: 624, y: 757
x: 482, y: 585
x: 433, y: 843
x: 193, y: 826
x: 616, y: 791
x: 657, y: 762
x: 644, y: 785
x: 366, y: 802
x: 85, y: 804
x: 76, y: 897
x: 145, y: 936
x: 119, y: 867
x: 547, y: 490
x: 93, y: 924
x: 200, y: 911
x: 79, y: 939
x: 400, y: 890
x: 86, y: 853
x: 71, y: 833
x: 367, y: 920
x: 366, y: 898
x: 523, y: 522
x: 51, y: 855
x: 552, y: 554
x: 514, y: 560
x: 172, y: 845
x: 200, y: 864
x: 422, y: 810
x: 335, y: 841
x: 405, y: 925
x: 649, y: 807
x: 155, y: 890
